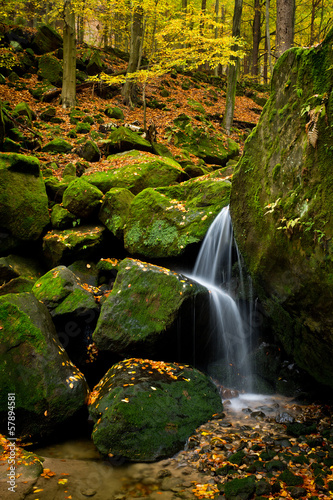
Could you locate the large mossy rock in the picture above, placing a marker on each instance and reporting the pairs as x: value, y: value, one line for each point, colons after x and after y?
x: 50, y: 69
x: 12, y: 266
x: 139, y: 171
x: 207, y: 144
x: 114, y: 210
x: 48, y: 391
x: 282, y: 207
x: 58, y: 145
x: 150, y: 312
x: 163, y: 222
x: 23, y: 200
x: 82, y: 198
x: 63, y: 247
x: 73, y: 309
x: 46, y: 40
x: 146, y: 410
x: 124, y: 139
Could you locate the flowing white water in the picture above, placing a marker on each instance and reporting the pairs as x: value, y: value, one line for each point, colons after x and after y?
x: 213, y: 269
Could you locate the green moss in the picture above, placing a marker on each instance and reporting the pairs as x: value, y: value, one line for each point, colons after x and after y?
x: 164, y: 399
x: 82, y: 198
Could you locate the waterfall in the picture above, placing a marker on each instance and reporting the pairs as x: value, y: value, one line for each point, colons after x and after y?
x: 230, y: 333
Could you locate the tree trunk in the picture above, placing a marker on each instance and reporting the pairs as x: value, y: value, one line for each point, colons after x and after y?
x: 233, y: 70
x: 268, y: 38
x: 136, y: 36
x: 216, y: 31
x: 256, y: 34
x: 285, y: 25
x: 68, y: 94
x: 315, y: 5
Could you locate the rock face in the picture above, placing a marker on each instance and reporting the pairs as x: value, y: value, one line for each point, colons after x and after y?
x: 23, y: 200
x: 150, y: 312
x: 49, y: 390
x: 145, y: 410
x: 282, y: 207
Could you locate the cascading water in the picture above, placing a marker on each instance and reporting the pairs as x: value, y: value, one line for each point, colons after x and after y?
x: 213, y: 269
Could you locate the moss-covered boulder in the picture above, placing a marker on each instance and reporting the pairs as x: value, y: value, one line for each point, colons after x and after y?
x: 64, y: 247
x: 49, y: 391
x: 23, y: 200
x: 23, y: 109
x: 282, y: 207
x: 73, y: 309
x: 209, y: 145
x: 46, y: 40
x: 17, y: 285
x: 61, y: 218
x: 95, y: 64
x: 124, y: 139
x: 139, y: 171
x: 148, y: 313
x: 82, y: 198
x: 89, y: 151
x: 163, y: 222
x: 50, y: 69
x: 57, y: 146
x: 114, y: 210
x: 55, y: 188
x: 240, y: 489
x: 145, y: 410
x: 114, y: 112
x: 13, y: 266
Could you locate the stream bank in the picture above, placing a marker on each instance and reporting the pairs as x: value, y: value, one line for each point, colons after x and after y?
x: 267, y: 448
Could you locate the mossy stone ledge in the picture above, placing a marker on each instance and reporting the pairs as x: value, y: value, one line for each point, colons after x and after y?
x: 282, y: 207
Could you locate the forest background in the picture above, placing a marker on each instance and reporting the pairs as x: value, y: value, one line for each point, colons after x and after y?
x: 176, y: 32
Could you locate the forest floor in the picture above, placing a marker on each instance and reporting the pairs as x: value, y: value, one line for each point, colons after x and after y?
x: 211, y: 98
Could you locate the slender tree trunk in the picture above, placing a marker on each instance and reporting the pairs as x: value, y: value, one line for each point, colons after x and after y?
x: 315, y: 5
x: 285, y: 25
x: 233, y: 70
x: 265, y: 73
x: 256, y: 34
x: 216, y: 32
x: 203, y: 10
x: 321, y: 21
x: 68, y: 94
x: 136, y: 36
x: 268, y: 38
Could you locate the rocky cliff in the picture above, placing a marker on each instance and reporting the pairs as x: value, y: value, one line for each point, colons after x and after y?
x: 282, y: 206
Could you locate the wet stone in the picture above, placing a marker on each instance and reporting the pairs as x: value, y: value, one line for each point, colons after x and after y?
x: 284, y: 418
x: 171, y: 483
x: 163, y: 473
x: 297, y: 492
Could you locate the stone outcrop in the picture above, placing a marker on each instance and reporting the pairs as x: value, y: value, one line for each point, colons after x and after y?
x: 281, y: 207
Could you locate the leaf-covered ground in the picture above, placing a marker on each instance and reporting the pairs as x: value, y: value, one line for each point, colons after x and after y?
x: 211, y: 98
